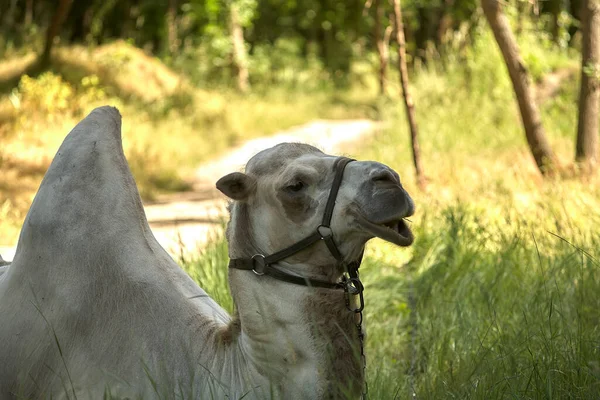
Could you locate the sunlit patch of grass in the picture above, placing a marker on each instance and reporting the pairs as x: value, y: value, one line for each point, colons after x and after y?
x: 498, y: 296
x: 488, y: 302
x: 12, y: 69
x: 210, y: 271
x: 125, y: 69
x: 505, y: 308
x: 169, y: 126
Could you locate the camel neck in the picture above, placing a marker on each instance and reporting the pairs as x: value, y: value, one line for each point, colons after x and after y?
x: 303, y: 340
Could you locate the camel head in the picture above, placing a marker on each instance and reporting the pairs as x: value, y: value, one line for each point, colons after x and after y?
x: 281, y: 199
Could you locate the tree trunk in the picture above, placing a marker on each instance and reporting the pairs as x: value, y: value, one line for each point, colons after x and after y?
x: 28, y: 13
x: 423, y: 33
x: 522, y: 14
x: 530, y: 115
x: 408, y: 101
x: 9, y: 16
x: 587, y: 128
x: 554, y: 8
x: 381, y: 42
x: 239, y: 49
x: 80, y: 18
x: 54, y: 29
x: 443, y: 25
x: 172, y: 26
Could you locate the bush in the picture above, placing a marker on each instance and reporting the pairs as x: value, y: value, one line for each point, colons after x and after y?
x: 51, y: 96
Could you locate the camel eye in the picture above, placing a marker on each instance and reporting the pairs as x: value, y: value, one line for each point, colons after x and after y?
x: 296, y: 187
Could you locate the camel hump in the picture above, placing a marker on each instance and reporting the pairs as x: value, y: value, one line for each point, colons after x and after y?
x: 88, y: 203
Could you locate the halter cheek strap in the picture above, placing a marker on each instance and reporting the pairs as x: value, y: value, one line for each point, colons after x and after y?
x: 263, y: 265
x: 350, y: 282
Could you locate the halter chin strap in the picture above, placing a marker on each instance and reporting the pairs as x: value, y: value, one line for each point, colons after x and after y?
x: 263, y: 265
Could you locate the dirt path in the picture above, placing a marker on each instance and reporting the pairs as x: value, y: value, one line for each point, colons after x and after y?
x: 551, y: 83
x: 184, y: 222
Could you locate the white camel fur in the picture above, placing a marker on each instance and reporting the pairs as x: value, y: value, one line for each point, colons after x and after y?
x: 92, y: 305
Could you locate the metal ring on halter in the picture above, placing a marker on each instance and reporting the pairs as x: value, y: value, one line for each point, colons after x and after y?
x: 354, y: 287
x: 326, y: 229
x: 259, y: 259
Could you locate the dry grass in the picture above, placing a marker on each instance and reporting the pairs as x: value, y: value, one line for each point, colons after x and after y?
x: 169, y: 126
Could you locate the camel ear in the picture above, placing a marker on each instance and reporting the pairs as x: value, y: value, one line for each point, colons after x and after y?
x: 237, y: 186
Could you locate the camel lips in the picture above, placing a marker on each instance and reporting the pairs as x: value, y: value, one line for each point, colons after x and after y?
x: 394, y: 231
x: 401, y: 228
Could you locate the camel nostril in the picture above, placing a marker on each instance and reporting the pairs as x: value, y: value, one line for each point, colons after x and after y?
x: 384, y: 176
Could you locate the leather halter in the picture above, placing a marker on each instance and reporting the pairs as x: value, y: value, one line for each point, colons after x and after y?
x: 350, y: 283
x: 263, y: 265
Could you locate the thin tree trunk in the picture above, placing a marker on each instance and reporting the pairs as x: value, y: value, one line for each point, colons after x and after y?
x: 239, y: 49
x: 574, y: 8
x: 522, y: 13
x: 554, y: 8
x: 530, y: 115
x: 408, y: 101
x: 589, y: 95
x: 172, y: 26
x: 54, y: 29
x: 28, y: 13
x: 9, y: 17
x: 381, y: 45
x: 444, y: 25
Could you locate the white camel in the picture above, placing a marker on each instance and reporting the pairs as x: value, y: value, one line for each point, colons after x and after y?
x: 3, y: 266
x: 92, y: 306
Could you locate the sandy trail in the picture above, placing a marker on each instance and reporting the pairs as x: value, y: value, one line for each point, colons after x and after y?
x: 184, y: 222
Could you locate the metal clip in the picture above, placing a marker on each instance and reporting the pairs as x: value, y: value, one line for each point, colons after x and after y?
x: 354, y: 286
x: 324, y: 231
x: 259, y: 264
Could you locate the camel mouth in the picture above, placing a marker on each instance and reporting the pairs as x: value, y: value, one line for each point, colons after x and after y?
x: 395, y: 231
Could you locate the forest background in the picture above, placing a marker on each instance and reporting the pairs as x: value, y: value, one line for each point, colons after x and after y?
x: 498, y: 297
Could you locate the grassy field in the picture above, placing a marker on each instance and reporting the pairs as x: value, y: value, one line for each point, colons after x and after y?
x: 169, y: 125
x: 498, y: 297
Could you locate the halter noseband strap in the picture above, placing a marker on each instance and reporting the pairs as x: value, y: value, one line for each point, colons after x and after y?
x: 350, y: 283
x: 262, y: 265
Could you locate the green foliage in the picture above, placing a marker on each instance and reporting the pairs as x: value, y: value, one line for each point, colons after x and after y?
x: 195, y: 35
x: 50, y: 96
x: 210, y: 272
x: 149, y: 166
x: 505, y: 309
x: 491, y: 303
x: 487, y: 305
x: 169, y: 127
x: 488, y: 302
x: 542, y: 56
x: 283, y: 64
x: 592, y: 70
x: 246, y: 11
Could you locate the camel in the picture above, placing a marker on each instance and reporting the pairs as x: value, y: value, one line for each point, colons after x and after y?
x: 3, y: 265
x: 92, y: 306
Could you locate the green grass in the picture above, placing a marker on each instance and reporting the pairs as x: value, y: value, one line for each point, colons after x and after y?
x: 500, y: 311
x: 498, y: 296
x: 480, y: 307
x: 210, y: 272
